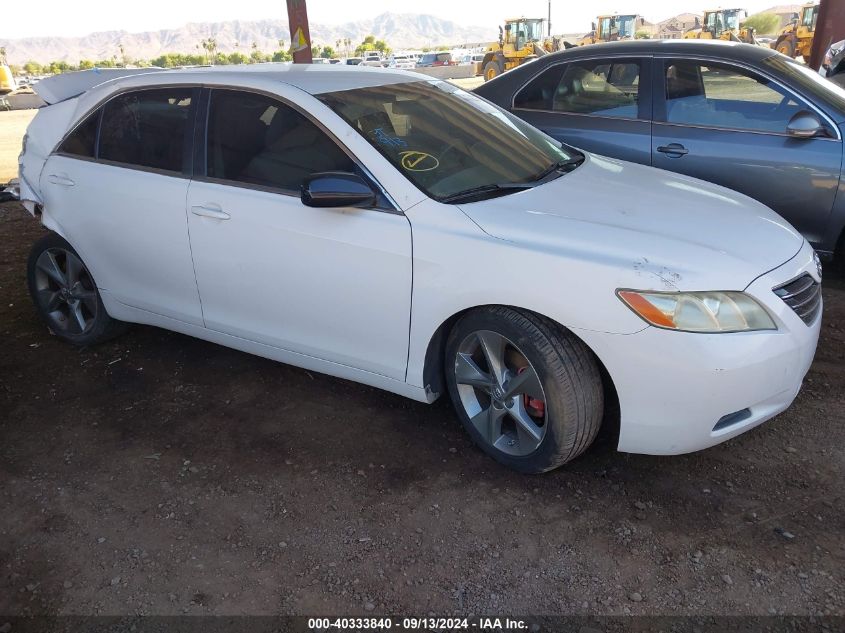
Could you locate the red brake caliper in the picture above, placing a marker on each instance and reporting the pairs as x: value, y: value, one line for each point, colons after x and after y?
x: 534, y: 406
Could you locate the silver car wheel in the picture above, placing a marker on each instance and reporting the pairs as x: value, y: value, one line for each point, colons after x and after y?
x: 65, y: 291
x: 501, y: 393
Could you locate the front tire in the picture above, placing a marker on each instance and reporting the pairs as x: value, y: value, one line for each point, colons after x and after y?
x: 492, y: 69
x: 65, y: 294
x: 527, y: 391
x: 787, y: 47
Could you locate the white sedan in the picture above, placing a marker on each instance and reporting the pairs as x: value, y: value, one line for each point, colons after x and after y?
x: 397, y: 231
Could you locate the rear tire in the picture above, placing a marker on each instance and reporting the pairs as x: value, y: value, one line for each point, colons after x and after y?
x: 527, y: 390
x: 65, y: 294
x: 492, y: 69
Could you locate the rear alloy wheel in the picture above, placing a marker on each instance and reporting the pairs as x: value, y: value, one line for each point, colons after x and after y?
x: 65, y: 294
x: 527, y: 390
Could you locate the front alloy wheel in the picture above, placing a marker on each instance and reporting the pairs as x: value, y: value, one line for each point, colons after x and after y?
x: 501, y: 393
x: 527, y: 390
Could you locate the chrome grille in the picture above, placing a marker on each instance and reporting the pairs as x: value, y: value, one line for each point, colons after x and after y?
x: 803, y: 295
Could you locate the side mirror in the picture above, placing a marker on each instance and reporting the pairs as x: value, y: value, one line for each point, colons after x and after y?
x: 805, y: 124
x: 336, y: 189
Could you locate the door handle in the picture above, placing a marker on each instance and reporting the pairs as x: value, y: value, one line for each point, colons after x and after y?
x: 58, y: 179
x: 210, y: 212
x: 673, y: 150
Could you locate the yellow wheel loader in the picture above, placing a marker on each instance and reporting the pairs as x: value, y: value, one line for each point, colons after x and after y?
x: 612, y: 28
x: 7, y: 81
x: 797, y: 37
x: 723, y: 24
x: 520, y: 41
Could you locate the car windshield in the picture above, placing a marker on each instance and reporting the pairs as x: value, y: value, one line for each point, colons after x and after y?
x: 732, y: 20
x: 625, y: 24
x: 809, y: 81
x: 449, y: 142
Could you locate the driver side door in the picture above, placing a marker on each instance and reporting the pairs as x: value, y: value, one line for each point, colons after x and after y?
x: 727, y: 125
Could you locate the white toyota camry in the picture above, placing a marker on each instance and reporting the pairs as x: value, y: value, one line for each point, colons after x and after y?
x: 395, y: 230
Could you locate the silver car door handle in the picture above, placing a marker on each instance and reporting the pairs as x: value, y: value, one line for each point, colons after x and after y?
x: 210, y: 212
x: 673, y: 149
x: 64, y: 181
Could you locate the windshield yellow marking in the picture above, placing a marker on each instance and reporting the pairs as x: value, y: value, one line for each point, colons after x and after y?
x: 418, y: 161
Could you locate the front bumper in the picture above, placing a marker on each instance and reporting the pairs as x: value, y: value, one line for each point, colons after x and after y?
x: 682, y: 392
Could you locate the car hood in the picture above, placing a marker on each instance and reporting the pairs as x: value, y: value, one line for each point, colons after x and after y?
x: 650, y: 228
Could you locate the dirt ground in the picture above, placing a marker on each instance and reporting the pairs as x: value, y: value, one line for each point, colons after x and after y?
x: 12, y: 128
x: 158, y: 474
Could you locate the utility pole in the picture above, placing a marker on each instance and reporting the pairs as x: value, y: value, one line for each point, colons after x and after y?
x: 300, y: 35
x: 550, y: 18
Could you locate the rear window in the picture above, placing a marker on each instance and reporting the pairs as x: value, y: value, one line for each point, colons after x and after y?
x: 83, y: 140
x: 146, y: 128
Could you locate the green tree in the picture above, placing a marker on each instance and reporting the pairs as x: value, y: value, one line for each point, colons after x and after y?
x: 33, y: 68
x: 315, y: 50
x: 238, y: 58
x: 85, y: 64
x: 327, y: 52
x: 764, y: 23
x: 642, y: 35
x: 3, y: 55
x: 210, y: 47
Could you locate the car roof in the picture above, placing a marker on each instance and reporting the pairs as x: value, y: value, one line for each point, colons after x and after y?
x: 314, y: 79
x: 311, y: 78
x: 733, y: 50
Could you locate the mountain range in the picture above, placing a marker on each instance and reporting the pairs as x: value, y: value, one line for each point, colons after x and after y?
x: 398, y: 30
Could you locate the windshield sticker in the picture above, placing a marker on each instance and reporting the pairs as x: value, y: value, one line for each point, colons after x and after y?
x: 384, y: 139
x: 418, y: 161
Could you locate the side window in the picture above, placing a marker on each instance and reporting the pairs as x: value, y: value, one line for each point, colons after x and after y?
x: 146, y: 128
x: 257, y: 140
x: 83, y: 140
x: 722, y: 96
x: 604, y: 87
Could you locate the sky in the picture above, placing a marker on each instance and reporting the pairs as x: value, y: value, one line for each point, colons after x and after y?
x: 60, y: 18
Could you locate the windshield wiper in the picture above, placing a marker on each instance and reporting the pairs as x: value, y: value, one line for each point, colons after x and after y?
x: 562, y: 166
x: 485, y: 191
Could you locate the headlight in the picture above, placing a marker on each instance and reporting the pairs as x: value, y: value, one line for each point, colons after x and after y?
x: 698, y: 311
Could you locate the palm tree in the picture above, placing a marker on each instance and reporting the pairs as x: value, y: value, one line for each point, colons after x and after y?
x: 210, y: 46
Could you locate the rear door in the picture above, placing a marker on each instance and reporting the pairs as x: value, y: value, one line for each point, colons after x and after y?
x: 117, y: 186
x: 601, y: 105
x: 727, y: 124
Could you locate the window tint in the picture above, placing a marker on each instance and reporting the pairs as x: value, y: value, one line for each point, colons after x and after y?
x: 445, y: 140
x: 608, y: 88
x: 83, y: 140
x: 724, y: 96
x: 258, y: 140
x: 146, y: 128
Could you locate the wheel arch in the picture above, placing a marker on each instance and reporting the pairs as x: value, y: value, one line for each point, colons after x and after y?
x: 434, y: 370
